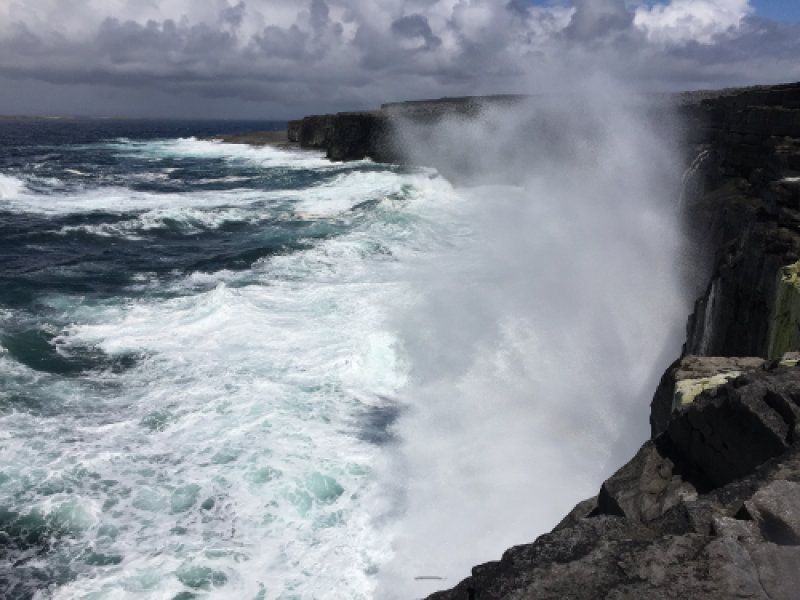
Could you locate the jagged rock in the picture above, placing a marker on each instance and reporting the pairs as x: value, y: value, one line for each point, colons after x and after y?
x: 646, y: 487
x: 776, y: 511
x: 581, y: 511
x: 708, y: 509
x: 690, y: 375
x: 730, y: 430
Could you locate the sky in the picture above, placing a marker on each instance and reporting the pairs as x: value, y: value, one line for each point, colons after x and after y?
x: 281, y: 59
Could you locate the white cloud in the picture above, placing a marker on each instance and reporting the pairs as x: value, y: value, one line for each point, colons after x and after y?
x: 685, y: 20
x: 337, y: 54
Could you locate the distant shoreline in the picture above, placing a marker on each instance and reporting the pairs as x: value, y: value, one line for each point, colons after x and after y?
x: 101, y: 118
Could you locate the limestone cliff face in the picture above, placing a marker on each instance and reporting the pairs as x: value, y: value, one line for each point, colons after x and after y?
x: 347, y: 136
x: 745, y: 206
x: 710, y: 506
x: 371, y: 134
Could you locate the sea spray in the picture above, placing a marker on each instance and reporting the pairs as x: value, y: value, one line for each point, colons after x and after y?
x: 542, y: 329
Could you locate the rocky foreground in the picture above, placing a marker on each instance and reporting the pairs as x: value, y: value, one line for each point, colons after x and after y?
x: 710, y: 506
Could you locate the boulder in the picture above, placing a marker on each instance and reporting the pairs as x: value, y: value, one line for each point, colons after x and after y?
x: 690, y: 375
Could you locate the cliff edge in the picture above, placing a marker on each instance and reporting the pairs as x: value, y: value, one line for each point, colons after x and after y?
x: 710, y: 506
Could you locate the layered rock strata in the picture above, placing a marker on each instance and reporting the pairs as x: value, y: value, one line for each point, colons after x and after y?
x: 710, y: 506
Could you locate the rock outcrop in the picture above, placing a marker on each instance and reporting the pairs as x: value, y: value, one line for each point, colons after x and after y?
x: 371, y: 134
x: 347, y: 136
x: 708, y: 509
x: 710, y: 506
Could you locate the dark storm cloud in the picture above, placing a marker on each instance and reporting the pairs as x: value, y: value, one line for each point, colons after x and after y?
x: 233, y: 15
x: 594, y: 19
x: 340, y: 54
x: 320, y: 14
x: 416, y: 27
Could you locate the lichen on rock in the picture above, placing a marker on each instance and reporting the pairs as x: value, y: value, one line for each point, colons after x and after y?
x: 688, y: 389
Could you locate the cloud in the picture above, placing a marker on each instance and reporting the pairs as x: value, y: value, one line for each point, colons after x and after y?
x: 322, y: 55
x: 598, y: 18
x: 691, y: 20
x: 416, y: 27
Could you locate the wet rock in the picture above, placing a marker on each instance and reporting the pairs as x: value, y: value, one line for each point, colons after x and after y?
x: 729, y: 431
x: 744, y: 217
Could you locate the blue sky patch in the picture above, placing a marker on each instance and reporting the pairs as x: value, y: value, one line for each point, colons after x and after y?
x: 777, y: 10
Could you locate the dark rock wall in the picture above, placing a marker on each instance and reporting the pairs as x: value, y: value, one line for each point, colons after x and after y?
x: 372, y: 134
x: 744, y: 211
x: 347, y: 136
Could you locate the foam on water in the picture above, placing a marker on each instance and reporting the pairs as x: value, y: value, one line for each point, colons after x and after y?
x: 235, y: 457
x: 265, y: 156
x: 10, y: 187
x: 341, y: 194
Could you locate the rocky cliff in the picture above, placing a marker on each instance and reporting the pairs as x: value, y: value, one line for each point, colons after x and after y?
x: 710, y: 506
x: 371, y: 134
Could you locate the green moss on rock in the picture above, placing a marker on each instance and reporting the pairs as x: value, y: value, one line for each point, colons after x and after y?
x: 784, y: 333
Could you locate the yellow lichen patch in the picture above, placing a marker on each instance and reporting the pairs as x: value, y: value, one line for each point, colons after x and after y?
x: 784, y: 334
x: 790, y: 359
x: 688, y: 389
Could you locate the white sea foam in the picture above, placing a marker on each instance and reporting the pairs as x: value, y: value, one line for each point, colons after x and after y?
x: 187, y: 221
x: 343, y: 193
x: 123, y: 200
x: 265, y: 156
x: 257, y: 394
x: 10, y: 187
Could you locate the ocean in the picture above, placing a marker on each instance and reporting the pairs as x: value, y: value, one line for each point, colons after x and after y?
x: 251, y: 373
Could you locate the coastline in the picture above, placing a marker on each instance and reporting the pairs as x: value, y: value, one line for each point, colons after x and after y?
x: 710, y: 506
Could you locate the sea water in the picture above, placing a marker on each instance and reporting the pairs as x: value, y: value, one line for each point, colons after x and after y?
x: 195, y: 373
x: 235, y: 372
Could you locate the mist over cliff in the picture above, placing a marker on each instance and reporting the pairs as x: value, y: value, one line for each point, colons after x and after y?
x: 542, y: 332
